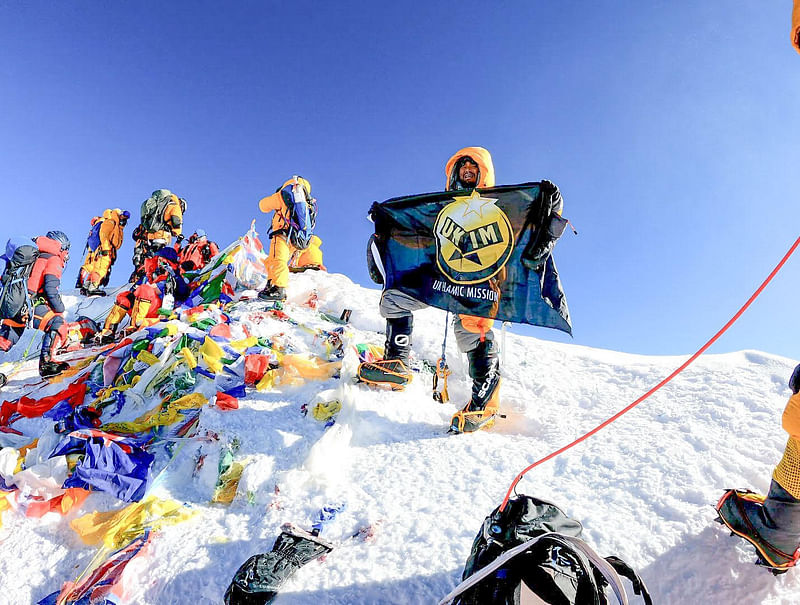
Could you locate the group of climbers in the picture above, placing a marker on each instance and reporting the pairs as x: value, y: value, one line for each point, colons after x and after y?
x: 157, y: 277
x: 161, y: 257
x: 771, y: 523
x: 161, y: 284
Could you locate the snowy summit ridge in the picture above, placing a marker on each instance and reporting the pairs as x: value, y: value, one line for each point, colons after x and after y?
x: 409, y: 498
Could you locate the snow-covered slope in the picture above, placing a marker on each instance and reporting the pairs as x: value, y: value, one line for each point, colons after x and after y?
x: 644, y: 488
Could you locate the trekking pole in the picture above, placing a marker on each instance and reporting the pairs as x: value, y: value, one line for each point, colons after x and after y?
x: 503, y: 343
x: 441, y: 372
x: 28, y: 348
x: 79, y: 281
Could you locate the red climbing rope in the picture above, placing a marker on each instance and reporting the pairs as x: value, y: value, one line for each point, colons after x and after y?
x: 660, y: 384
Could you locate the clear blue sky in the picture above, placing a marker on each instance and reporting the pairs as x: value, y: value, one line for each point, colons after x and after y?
x: 672, y: 129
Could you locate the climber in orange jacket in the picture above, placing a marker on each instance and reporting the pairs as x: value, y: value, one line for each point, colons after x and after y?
x: 292, y: 231
x: 104, y: 240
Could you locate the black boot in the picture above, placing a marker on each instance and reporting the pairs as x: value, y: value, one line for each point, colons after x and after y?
x: 393, y: 369
x: 484, y: 369
x: 480, y: 411
x: 771, y: 524
x: 92, y: 289
x: 47, y: 367
x: 272, y: 293
x: 398, y: 339
x: 783, y: 511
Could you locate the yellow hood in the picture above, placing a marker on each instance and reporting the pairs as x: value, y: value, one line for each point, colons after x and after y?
x: 481, y: 157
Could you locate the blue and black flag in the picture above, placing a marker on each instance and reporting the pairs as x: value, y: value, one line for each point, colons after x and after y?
x: 469, y: 252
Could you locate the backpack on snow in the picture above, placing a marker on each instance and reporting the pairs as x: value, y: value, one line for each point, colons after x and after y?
x: 531, y: 553
x: 300, y: 215
x: 153, y: 208
x: 20, y: 257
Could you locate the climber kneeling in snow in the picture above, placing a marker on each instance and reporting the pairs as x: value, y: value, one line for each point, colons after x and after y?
x: 39, y: 304
x: 291, y: 232
x: 772, y: 524
x: 156, y: 293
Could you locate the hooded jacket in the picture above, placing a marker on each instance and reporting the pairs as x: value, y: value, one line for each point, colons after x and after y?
x: 45, y: 278
x: 549, y: 281
x: 478, y: 155
x: 275, y: 203
x: 111, y: 231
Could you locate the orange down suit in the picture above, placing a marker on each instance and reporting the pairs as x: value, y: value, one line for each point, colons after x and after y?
x: 98, y: 262
x: 280, y: 249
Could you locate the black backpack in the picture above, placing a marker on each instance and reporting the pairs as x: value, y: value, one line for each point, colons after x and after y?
x: 531, y: 553
x: 15, y: 302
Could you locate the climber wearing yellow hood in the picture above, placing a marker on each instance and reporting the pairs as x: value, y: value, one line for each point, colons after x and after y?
x: 469, y: 168
x: 292, y: 233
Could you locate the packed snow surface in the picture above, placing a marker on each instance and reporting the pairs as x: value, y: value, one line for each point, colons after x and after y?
x: 644, y: 488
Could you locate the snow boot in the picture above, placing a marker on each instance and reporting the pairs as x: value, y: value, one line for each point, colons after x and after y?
x: 272, y: 293
x: 92, y: 289
x: 49, y: 368
x: 109, y: 332
x: 771, y: 524
x: 259, y: 579
x: 104, y: 337
x: 393, y: 370
x: 480, y: 411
